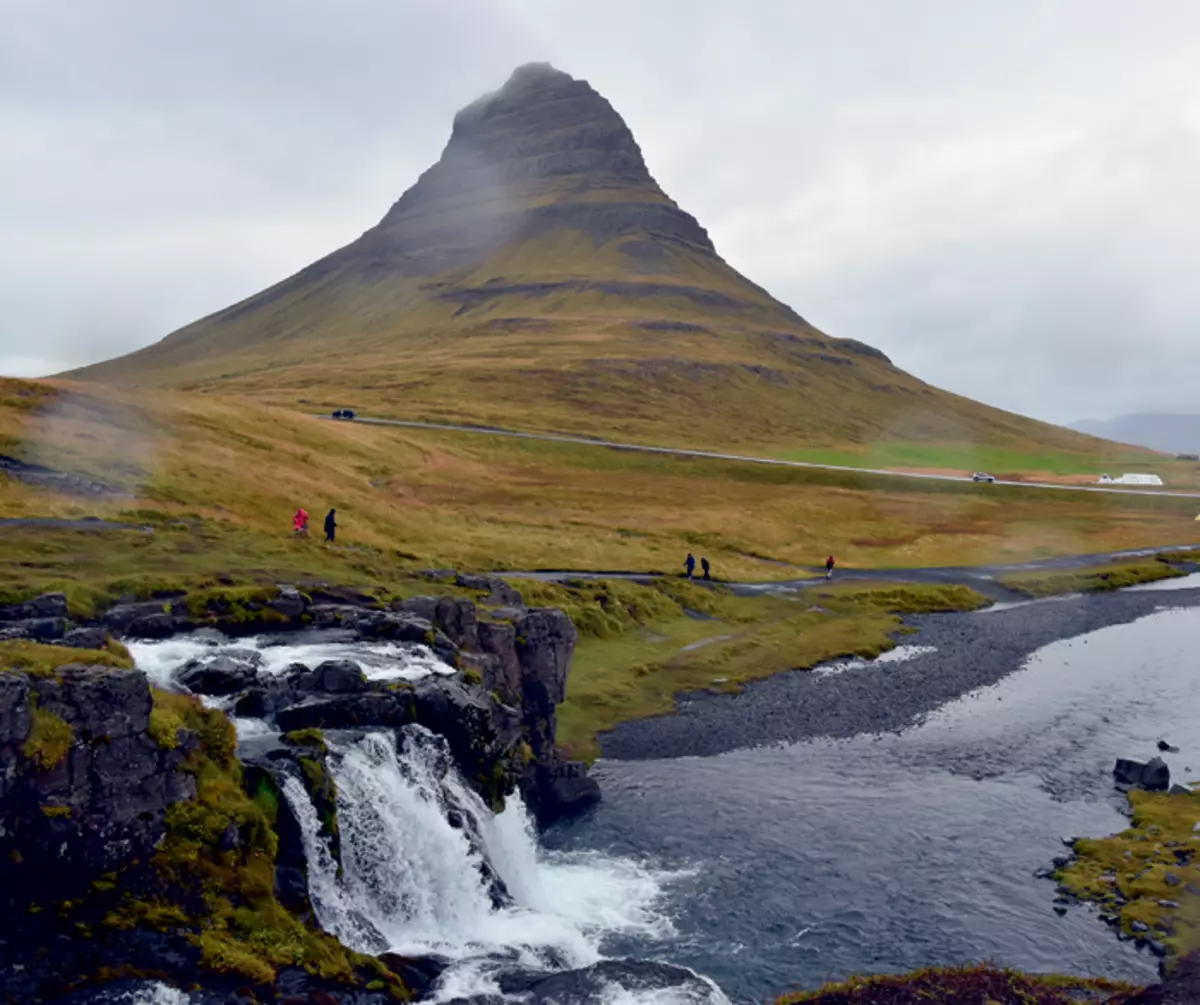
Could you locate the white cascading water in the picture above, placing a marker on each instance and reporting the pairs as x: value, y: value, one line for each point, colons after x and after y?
x: 413, y: 880
x: 160, y: 661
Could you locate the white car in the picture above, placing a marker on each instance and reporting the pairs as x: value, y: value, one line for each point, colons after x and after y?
x: 983, y: 476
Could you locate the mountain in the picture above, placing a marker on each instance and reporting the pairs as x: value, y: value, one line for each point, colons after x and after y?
x: 538, y: 276
x: 1169, y: 433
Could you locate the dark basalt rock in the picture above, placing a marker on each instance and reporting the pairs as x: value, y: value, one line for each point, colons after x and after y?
x: 46, y: 629
x: 334, y: 677
x: 419, y: 973
x: 453, y: 616
x: 496, y: 590
x: 219, y: 675
x: 381, y: 709
x: 1153, y: 775
x: 479, y: 730
x: 102, y: 803
x: 86, y: 638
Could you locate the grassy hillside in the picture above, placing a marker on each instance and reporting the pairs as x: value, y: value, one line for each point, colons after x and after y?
x: 225, y: 476
x: 537, y: 277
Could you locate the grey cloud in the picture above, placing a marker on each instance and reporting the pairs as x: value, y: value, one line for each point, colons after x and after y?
x: 1001, y: 197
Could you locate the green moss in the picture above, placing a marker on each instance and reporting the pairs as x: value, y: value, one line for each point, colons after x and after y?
x: 266, y: 796
x: 213, y: 876
x: 312, y: 737
x: 323, y: 791
x: 39, y: 660
x: 968, y: 985
x: 167, y: 717
x: 50, y: 737
x: 234, y: 604
x: 1141, y: 876
x: 1111, y: 577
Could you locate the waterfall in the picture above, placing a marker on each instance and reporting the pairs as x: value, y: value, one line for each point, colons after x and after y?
x: 415, y: 883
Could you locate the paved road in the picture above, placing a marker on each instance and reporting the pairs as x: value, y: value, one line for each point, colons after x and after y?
x: 981, y: 577
x: 713, y: 455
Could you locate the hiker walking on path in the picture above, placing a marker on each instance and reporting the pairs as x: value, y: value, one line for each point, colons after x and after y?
x: 829, y: 564
x: 690, y: 564
x: 300, y: 521
x: 706, y: 568
x: 330, y: 526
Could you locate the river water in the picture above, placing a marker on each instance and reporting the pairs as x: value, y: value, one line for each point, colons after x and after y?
x: 817, y: 860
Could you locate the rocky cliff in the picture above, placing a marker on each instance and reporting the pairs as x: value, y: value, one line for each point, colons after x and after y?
x: 137, y: 838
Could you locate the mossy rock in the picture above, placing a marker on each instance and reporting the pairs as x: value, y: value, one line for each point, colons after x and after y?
x: 50, y: 739
x: 40, y: 660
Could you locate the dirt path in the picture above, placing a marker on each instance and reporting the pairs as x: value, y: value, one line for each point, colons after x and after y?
x: 980, y: 577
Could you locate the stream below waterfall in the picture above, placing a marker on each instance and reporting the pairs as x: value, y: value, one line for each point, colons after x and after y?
x: 771, y: 868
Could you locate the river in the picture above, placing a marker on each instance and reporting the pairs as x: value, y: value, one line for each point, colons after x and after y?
x: 778, y: 866
x: 816, y: 860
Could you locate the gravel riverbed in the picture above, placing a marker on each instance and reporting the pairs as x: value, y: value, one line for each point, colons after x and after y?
x: 953, y: 655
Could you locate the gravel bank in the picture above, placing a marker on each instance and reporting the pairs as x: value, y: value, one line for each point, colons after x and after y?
x: 971, y: 651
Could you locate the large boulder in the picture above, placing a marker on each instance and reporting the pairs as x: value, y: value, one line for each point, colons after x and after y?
x: 496, y: 591
x: 50, y: 605
x: 454, y: 616
x: 1152, y: 775
x: 333, y: 677
x: 220, y: 675
x: 390, y: 709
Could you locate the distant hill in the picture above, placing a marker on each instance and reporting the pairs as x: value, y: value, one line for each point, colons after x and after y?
x: 1169, y: 433
x: 538, y: 276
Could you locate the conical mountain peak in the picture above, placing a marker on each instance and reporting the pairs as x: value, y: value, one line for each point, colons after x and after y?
x: 537, y: 276
x: 545, y: 152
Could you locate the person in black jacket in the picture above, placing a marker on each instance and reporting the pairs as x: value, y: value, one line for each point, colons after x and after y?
x: 706, y: 568
x: 330, y: 526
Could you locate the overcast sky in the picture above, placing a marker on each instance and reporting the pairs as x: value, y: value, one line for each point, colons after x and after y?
x: 1004, y: 197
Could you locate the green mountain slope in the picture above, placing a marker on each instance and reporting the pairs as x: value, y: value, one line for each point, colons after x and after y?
x: 537, y: 276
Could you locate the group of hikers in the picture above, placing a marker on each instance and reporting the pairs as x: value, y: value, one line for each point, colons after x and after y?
x: 300, y: 524
x: 689, y: 564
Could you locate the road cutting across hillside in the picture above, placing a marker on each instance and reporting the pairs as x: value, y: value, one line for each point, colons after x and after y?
x: 747, y: 458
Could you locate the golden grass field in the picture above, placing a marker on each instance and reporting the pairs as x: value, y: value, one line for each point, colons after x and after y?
x: 213, y: 483
x: 444, y: 499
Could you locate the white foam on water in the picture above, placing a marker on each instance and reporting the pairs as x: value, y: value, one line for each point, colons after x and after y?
x: 701, y: 992
x: 901, y: 654
x: 379, y: 660
x: 413, y: 882
x: 159, y: 994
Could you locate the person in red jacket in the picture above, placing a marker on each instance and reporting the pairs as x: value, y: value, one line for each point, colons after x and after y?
x: 829, y: 564
x: 300, y: 521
